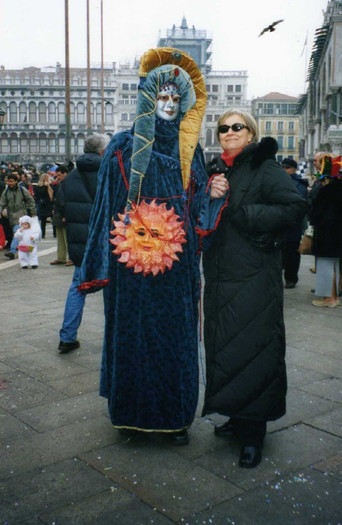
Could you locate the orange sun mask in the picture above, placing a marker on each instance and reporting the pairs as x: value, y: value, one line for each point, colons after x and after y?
x: 150, y: 242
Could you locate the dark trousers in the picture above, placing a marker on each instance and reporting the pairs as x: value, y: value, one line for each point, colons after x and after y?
x: 43, y: 221
x: 250, y: 433
x: 291, y: 261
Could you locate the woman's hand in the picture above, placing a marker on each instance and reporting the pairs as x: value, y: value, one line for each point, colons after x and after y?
x: 219, y: 186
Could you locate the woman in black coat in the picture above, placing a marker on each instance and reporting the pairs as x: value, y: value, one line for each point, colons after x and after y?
x: 243, y: 297
x: 44, y: 198
x: 326, y: 218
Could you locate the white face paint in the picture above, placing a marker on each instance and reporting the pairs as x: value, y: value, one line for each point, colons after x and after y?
x: 168, y: 103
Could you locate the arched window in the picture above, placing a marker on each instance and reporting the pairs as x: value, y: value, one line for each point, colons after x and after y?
x: 42, y: 143
x: 52, y: 113
x: 80, y: 144
x: 13, y: 112
x: 108, y: 114
x: 42, y: 112
x: 61, y: 144
x: 98, y: 114
x: 13, y: 143
x: 23, y: 145
x: 80, y: 113
x: 22, y: 112
x: 52, y: 143
x: 72, y: 144
x: 4, y: 143
x: 32, y: 112
x: 33, y: 143
x: 61, y: 113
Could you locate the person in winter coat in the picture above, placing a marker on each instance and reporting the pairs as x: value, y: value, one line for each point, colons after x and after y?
x: 27, y: 247
x: 58, y: 221
x: 326, y: 218
x: 244, y: 330
x: 291, y: 255
x: 18, y: 201
x: 75, y: 199
x: 44, y: 198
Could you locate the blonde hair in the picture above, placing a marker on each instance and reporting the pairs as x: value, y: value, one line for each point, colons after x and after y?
x: 250, y: 122
x: 41, y: 179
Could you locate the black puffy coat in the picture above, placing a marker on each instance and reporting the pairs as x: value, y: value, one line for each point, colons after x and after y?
x: 326, y: 218
x: 243, y: 297
x: 75, y: 198
x: 43, y: 201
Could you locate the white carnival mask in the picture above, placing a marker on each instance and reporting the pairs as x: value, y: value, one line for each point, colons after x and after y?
x: 168, y: 102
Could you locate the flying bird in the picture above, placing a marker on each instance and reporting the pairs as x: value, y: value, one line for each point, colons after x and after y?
x: 271, y: 27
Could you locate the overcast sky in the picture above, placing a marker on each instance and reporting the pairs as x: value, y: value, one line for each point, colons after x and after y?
x: 32, y: 34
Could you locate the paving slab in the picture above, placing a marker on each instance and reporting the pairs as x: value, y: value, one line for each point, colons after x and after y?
x: 298, y: 376
x: 22, y: 391
x: 41, y: 490
x: 80, y: 384
x: 301, y: 406
x: 64, y: 412
x: 46, y: 366
x: 114, y: 507
x: 280, y: 455
x: 304, y: 497
x: 331, y: 466
x: 41, y: 450
x: 161, y: 477
x: 330, y: 422
x: 11, y: 429
x: 328, y: 388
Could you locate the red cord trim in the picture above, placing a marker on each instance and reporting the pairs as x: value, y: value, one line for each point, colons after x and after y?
x: 93, y: 284
x: 122, y: 168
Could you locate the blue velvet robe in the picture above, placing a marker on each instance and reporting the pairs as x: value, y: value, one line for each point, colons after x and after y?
x: 149, y: 370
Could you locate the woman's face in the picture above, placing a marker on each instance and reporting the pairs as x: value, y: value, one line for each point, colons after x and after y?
x: 233, y: 141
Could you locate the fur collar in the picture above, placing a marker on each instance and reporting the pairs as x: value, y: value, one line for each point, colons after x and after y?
x: 255, y: 154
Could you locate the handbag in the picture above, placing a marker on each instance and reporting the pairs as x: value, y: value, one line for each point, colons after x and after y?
x: 305, y: 247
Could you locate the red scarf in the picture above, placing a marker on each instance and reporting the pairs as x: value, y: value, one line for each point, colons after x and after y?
x: 229, y: 159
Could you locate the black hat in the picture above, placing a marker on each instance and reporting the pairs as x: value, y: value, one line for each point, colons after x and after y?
x: 289, y: 163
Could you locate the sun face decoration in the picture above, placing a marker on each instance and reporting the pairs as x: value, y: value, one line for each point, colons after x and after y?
x: 150, y: 242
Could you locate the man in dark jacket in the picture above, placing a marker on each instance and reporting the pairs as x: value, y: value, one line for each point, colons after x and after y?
x: 18, y: 201
x: 75, y: 198
x: 291, y: 255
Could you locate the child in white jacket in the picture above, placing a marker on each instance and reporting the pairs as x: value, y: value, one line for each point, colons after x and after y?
x: 27, y: 248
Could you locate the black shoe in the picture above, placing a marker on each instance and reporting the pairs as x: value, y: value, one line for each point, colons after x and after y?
x: 225, y: 429
x: 10, y: 255
x: 24, y: 267
x: 64, y: 348
x: 34, y: 267
x: 290, y: 284
x: 312, y: 290
x: 179, y: 438
x: 250, y: 457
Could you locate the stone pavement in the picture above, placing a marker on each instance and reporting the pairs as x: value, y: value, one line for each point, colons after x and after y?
x: 61, y: 461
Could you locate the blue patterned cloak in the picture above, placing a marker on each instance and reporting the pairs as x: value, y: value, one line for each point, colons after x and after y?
x: 149, y: 371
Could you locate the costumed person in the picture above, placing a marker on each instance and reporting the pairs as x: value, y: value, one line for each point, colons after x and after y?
x: 326, y: 218
x: 27, y: 247
x: 244, y: 332
x: 153, y: 209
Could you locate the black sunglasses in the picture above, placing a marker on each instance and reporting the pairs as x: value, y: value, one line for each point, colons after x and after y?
x: 235, y: 127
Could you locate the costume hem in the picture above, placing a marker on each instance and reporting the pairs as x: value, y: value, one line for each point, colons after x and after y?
x: 119, y: 427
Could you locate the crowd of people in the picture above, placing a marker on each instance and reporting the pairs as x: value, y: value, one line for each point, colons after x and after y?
x: 26, y: 192
x: 134, y: 217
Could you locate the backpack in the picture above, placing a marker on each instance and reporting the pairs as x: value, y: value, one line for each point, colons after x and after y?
x: 28, y: 212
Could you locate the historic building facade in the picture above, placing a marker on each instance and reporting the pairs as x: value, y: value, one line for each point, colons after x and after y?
x: 275, y: 114
x: 34, y: 101
x: 320, y: 108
